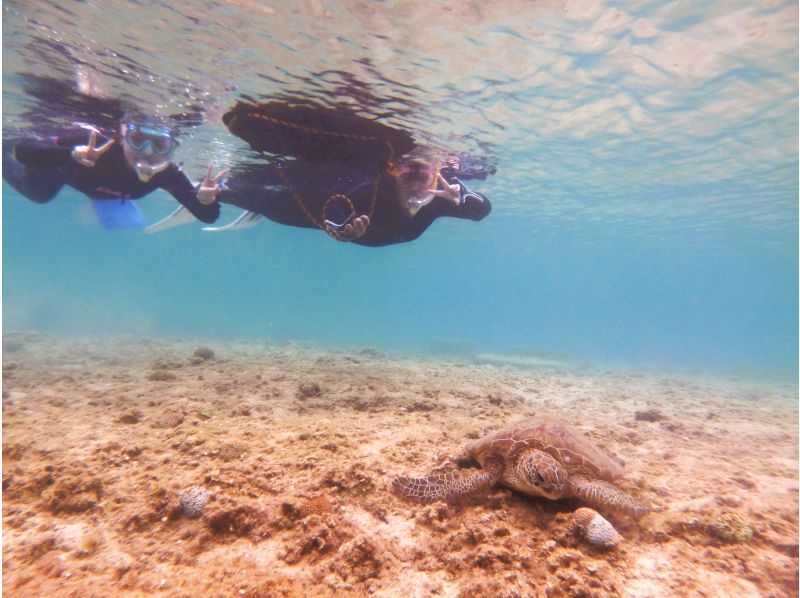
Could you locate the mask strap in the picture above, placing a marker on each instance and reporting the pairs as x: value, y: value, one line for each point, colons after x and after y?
x: 435, y: 184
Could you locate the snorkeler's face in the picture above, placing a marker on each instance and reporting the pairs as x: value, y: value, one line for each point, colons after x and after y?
x: 416, y: 183
x: 147, y: 150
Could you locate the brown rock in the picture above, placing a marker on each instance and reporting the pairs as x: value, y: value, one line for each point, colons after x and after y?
x: 650, y: 415
x: 308, y: 390
x: 204, y: 353
x: 357, y: 559
x: 72, y: 493
x: 236, y: 520
x: 316, y: 539
x: 131, y: 416
x: 162, y: 376
x: 52, y: 565
x: 230, y: 450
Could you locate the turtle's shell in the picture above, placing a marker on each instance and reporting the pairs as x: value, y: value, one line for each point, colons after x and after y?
x: 565, y: 445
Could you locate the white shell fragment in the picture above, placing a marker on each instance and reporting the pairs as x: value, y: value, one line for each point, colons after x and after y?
x: 595, y: 528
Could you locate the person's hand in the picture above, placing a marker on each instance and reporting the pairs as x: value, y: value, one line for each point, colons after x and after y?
x: 448, y: 191
x: 355, y: 229
x: 210, y: 187
x: 87, y: 155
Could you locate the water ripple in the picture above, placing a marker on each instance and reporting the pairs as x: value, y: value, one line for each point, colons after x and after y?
x: 667, y: 116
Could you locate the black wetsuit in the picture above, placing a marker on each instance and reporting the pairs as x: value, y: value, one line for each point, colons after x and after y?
x: 263, y: 191
x: 39, y: 168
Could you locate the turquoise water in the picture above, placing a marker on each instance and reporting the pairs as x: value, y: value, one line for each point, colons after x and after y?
x: 645, y: 202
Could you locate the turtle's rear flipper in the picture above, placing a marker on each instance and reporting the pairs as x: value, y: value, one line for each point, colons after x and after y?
x: 448, y: 487
x: 606, y: 497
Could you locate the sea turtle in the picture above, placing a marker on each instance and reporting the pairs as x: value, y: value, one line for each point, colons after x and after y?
x: 536, y: 456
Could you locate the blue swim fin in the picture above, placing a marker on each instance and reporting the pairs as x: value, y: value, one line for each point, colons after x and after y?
x: 118, y: 214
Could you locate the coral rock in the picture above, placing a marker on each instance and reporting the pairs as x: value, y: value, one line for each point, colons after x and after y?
x: 732, y: 528
x: 204, y: 353
x: 316, y: 506
x: 649, y: 415
x: 12, y: 345
x: 170, y: 418
x: 308, y: 389
x: 231, y: 450
x: 162, y: 376
x: 131, y: 416
x: 73, y: 493
x: 595, y: 528
x: 237, y: 520
x: 358, y: 561
x: 193, y: 500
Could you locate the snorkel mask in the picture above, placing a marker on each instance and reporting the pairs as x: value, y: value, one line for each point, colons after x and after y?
x: 419, y: 198
x: 148, y: 147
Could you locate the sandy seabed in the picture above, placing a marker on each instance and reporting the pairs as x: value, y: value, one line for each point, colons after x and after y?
x: 297, y: 447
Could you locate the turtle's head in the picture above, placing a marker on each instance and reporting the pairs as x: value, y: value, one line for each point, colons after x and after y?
x: 541, y: 474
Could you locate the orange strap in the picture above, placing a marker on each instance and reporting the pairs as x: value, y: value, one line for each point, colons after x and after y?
x: 306, y: 128
x: 388, y: 167
x: 299, y: 200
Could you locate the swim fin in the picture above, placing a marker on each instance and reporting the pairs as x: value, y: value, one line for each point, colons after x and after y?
x: 177, y: 218
x: 118, y: 214
x: 246, y: 220
x: 464, y: 192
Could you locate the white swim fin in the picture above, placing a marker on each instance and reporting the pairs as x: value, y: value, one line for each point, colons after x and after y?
x: 177, y: 218
x: 246, y: 220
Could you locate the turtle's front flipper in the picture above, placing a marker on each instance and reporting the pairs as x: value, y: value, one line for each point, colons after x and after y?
x: 605, y: 496
x: 448, y: 486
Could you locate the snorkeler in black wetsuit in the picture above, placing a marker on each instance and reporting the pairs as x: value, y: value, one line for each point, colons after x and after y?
x: 128, y: 165
x: 355, y: 178
x: 396, y: 207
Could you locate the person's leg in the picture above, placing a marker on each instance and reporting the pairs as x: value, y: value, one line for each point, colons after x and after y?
x: 272, y: 201
x: 37, y: 184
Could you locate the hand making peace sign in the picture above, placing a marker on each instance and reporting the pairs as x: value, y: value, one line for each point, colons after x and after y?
x: 87, y: 155
x: 210, y: 187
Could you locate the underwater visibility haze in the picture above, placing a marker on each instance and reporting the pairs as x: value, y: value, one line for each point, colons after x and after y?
x: 645, y: 199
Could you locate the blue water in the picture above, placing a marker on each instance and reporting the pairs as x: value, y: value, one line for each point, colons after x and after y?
x: 645, y: 202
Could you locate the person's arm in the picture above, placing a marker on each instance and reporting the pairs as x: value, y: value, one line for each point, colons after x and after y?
x: 455, y: 200
x: 176, y: 183
x: 341, y: 221
x: 80, y: 146
x: 464, y: 204
x: 54, y: 151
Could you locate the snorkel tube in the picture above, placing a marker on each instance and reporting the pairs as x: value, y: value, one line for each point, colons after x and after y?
x: 417, y: 202
x: 146, y: 171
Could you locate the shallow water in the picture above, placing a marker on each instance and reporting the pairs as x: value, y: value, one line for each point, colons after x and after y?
x: 637, y: 279
x: 645, y: 203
